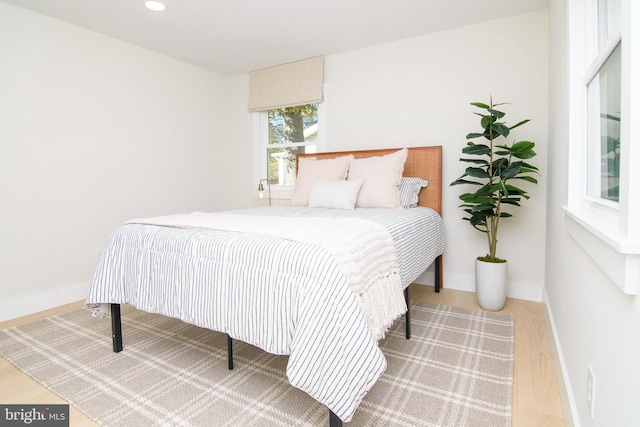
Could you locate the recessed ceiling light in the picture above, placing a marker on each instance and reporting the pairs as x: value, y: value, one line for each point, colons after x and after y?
x: 156, y: 6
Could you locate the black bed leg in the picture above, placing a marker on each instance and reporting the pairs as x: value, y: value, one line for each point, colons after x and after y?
x: 334, y: 420
x: 407, y: 316
x: 438, y: 273
x: 116, y: 328
x: 230, y: 352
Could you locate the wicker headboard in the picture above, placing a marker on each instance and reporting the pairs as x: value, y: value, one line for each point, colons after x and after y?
x: 423, y: 162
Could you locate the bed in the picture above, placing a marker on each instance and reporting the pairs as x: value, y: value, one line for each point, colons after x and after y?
x: 318, y: 282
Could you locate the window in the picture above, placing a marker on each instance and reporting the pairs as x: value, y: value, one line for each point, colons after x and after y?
x: 279, y: 135
x: 603, y: 193
x: 292, y: 130
x: 287, y: 102
x: 604, y: 107
x: 603, y: 121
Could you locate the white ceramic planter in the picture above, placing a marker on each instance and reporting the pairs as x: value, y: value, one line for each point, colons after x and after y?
x: 491, y: 284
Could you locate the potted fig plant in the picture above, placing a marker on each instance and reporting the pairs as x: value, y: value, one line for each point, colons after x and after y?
x: 495, y: 167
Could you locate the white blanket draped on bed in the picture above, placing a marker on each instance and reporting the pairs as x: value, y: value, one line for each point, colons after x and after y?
x: 315, y: 311
x: 363, y: 250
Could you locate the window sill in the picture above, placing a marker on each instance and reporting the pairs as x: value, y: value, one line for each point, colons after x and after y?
x: 279, y: 192
x: 616, y: 256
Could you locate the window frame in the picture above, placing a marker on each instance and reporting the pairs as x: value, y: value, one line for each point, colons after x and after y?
x: 595, y: 174
x: 606, y: 230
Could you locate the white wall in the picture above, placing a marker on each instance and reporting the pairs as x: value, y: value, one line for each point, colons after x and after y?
x: 417, y: 92
x: 94, y: 131
x: 595, y: 323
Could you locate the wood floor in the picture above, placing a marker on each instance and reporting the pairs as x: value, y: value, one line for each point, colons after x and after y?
x: 536, y: 399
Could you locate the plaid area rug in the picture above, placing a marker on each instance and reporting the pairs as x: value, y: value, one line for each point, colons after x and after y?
x: 456, y: 370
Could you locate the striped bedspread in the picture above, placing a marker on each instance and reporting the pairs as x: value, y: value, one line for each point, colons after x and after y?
x: 282, y: 295
x: 418, y: 233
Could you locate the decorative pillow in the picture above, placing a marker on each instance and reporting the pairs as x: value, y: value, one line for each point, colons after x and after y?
x: 334, y: 194
x: 311, y: 170
x: 410, y: 191
x: 381, y: 176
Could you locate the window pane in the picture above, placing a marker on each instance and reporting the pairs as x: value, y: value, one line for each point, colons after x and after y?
x: 292, y: 130
x: 604, y: 130
x: 293, y: 124
x: 608, y: 19
x: 282, y: 163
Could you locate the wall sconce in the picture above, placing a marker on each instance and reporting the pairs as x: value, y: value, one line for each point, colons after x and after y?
x: 261, y: 190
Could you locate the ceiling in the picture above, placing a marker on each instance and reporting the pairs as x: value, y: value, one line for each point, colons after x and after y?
x: 233, y: 37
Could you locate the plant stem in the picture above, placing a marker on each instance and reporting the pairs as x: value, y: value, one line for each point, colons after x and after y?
x: 490, y: 226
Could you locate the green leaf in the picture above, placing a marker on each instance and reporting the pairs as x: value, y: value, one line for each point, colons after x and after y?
x: 522, y: 145
x: 486, y: 121
x: 474, y: 135
x: 485, y: 190
x: 477, y: 149
x: 483, y: 207
x: 527, y: 170
x: 510, y: 171
x: 463, y: 181
x: 500, y: 129
x: 480, y: 105
x: 525, y: 154
x: 527, y: 178
x: 472, y: 198
x: 476, y: 161
x: 523, y: 150
x: 478, y: 221
x: 496, y: 113
x: 515, y: 190
x: 477, y: 173
x: 500, y: 163
x: 480, y: 216
x: 519, y: 124
x: 479, y: 225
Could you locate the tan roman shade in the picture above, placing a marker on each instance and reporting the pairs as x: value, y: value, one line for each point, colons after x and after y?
x: 286, y: 85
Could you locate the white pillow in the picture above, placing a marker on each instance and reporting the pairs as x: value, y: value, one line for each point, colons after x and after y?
x: 381, y: 176
x: 311, y: 170
x: 334, y: 194
x: 410, y: 190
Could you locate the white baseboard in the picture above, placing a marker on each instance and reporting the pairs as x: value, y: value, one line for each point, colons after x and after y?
x: 525, y: 290
x: 459, y: 282
x: 462, y: 282
x: 562, y: 377
x: 24, y: 306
